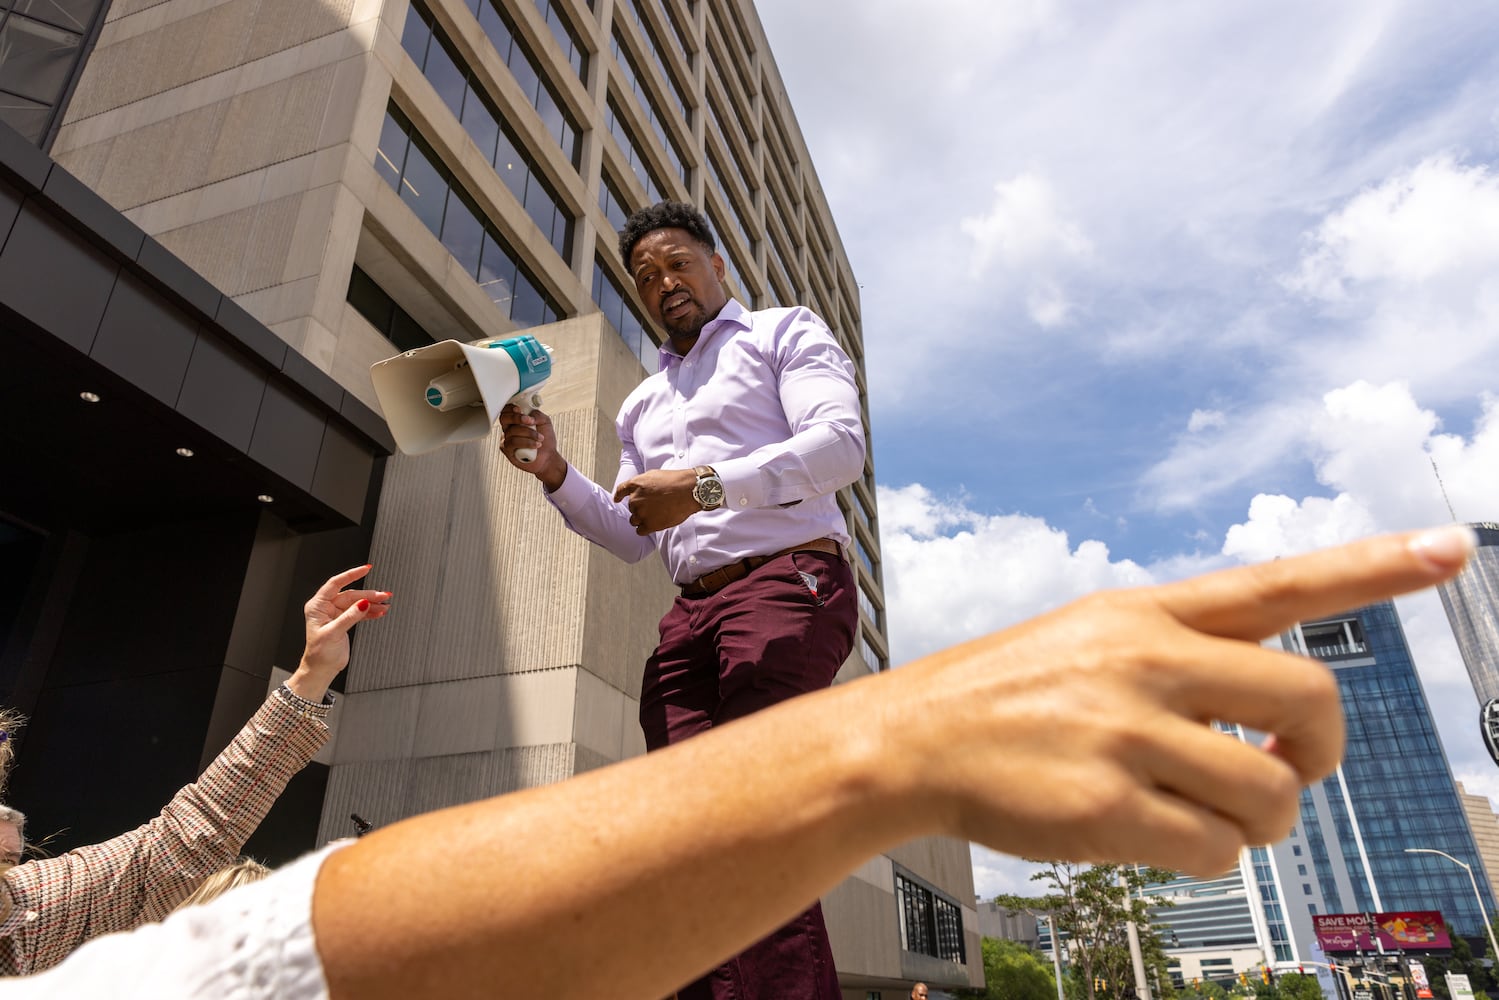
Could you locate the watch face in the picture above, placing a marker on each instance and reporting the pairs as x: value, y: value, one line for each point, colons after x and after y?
x: 709, y: 493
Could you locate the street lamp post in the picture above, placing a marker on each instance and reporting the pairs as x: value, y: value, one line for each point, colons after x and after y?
x: 1493, y: 946
x: 1056, y: 950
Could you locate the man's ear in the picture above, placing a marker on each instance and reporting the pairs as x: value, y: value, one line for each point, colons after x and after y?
x: 718, y: 265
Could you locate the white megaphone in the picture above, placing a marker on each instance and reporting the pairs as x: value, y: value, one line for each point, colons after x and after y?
x: 451, y: 391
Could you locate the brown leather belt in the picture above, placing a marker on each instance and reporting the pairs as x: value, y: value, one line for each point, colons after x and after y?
x: 712, y: 583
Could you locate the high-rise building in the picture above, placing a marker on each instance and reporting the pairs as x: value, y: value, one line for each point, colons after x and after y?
x: 216, y: 216
x: 1348, y: 853
x: 1393, y: 791
x: 1484, y: 823
x: 1472, y: 602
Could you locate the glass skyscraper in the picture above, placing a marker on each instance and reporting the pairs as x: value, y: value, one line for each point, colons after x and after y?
x: 1472, y: 602
x: 1347, y: 853
x: 1393, y: 791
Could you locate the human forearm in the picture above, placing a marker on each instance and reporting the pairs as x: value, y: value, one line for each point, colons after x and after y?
x: 1079, y: 735
x: 623, y: 882
x: 592, y: 513
x: 818, y: 460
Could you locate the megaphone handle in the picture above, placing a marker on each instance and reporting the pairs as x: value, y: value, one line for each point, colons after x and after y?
x: 526, y: 402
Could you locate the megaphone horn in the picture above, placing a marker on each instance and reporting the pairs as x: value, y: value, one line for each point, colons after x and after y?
x: 451, y: 392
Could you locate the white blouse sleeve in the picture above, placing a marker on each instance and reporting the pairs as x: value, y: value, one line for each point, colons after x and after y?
x: 252, y: 943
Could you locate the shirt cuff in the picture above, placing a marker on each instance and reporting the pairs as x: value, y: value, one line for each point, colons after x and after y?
x: 306, y: 709
x: 742, y: 489
x: 574, y: 492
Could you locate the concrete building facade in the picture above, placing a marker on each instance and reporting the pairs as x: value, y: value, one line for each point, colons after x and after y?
x: 333, y: 181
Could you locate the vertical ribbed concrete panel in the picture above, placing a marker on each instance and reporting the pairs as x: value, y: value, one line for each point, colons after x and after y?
x: 376, y: 790
x: 532, y: 767
x: 511, y: 634
x: 440, y: 782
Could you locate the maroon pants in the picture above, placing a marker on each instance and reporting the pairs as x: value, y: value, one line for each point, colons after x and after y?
x: 783, y: 630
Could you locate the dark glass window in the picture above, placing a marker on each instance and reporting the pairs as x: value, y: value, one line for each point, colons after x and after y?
x: 384, y: 315
x: 500, y: 30
x: 40, y: 44
x: 435, y: 56
x: 652, y: 113
x: 562, y: 31
x: 655, y: 46
x: 453, y: 216
x: 930, y: 924
x: 617, y: 308
x: 632, y: 152
x: 616, y: 209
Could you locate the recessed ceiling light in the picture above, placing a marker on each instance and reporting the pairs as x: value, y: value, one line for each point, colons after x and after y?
x: 266, y: 498
x: 185, y: 452
x: 89, y: 397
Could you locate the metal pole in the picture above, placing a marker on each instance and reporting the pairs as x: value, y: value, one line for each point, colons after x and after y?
x: 1142, y: 988
x: 1482, y: 912
x: 1056, y: 953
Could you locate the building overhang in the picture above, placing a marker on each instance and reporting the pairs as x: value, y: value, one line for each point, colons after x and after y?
x: 134, y: 391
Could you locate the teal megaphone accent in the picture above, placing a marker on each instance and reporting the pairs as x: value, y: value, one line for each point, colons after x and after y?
x: 532, y: 361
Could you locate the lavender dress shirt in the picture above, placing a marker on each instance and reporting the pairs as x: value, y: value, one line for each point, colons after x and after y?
x: 769, y: 400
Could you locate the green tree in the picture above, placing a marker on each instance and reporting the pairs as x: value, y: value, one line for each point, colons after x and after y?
x: 1459, y: 959
x: 1013, y: 971
x: 1296, y: 986
x: 1091, y: 910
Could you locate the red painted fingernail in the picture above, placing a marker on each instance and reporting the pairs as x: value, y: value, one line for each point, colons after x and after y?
x: 363, y: 605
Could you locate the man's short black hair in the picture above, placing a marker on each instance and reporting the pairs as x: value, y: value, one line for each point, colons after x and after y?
x: 664, y: 215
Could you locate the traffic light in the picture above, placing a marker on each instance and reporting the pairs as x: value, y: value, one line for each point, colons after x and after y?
x: 1301, y: 970
x: 1243, y: 979
x: 1265, y: 975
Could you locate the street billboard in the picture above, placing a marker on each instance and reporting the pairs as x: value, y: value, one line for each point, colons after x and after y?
x: 1405, y: 930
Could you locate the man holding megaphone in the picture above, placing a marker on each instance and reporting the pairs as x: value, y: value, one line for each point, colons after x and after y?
x: 731, y: 456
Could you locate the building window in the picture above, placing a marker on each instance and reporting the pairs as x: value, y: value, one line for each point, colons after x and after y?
x: 1330, y: 640
x: 730, y: 261
x: 1306, y: 888
x: 614, y: 206
x: 500, y: 29
x: 632, y: 152
x: 1296, y: 849
x: 930, y: 924
x: 375, y: 304
x: 617, y: 308
x: 1301, y: 869
x: 409, y: 164
x: 41, y: 44
x: 562, y: 31
x: 435, y: 56
x: 655, y: 44
x: 652, y: 113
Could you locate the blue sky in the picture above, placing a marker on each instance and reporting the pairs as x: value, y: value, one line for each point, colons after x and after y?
x: 1153, y: 288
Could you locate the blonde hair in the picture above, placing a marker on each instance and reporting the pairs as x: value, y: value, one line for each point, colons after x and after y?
x: 11, y: 722
x: 242, y: 872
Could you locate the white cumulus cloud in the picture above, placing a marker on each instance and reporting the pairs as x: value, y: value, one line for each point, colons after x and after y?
x: 953, y: 573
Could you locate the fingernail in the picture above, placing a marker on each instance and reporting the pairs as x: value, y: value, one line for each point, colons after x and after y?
x: 363, y: 605
x: 1447, y: 546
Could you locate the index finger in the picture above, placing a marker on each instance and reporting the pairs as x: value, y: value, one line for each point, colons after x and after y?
x: 1253, y: 602
x: 341, y: 580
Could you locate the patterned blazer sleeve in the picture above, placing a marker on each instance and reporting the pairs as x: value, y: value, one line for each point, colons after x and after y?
x: 142, y: 875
